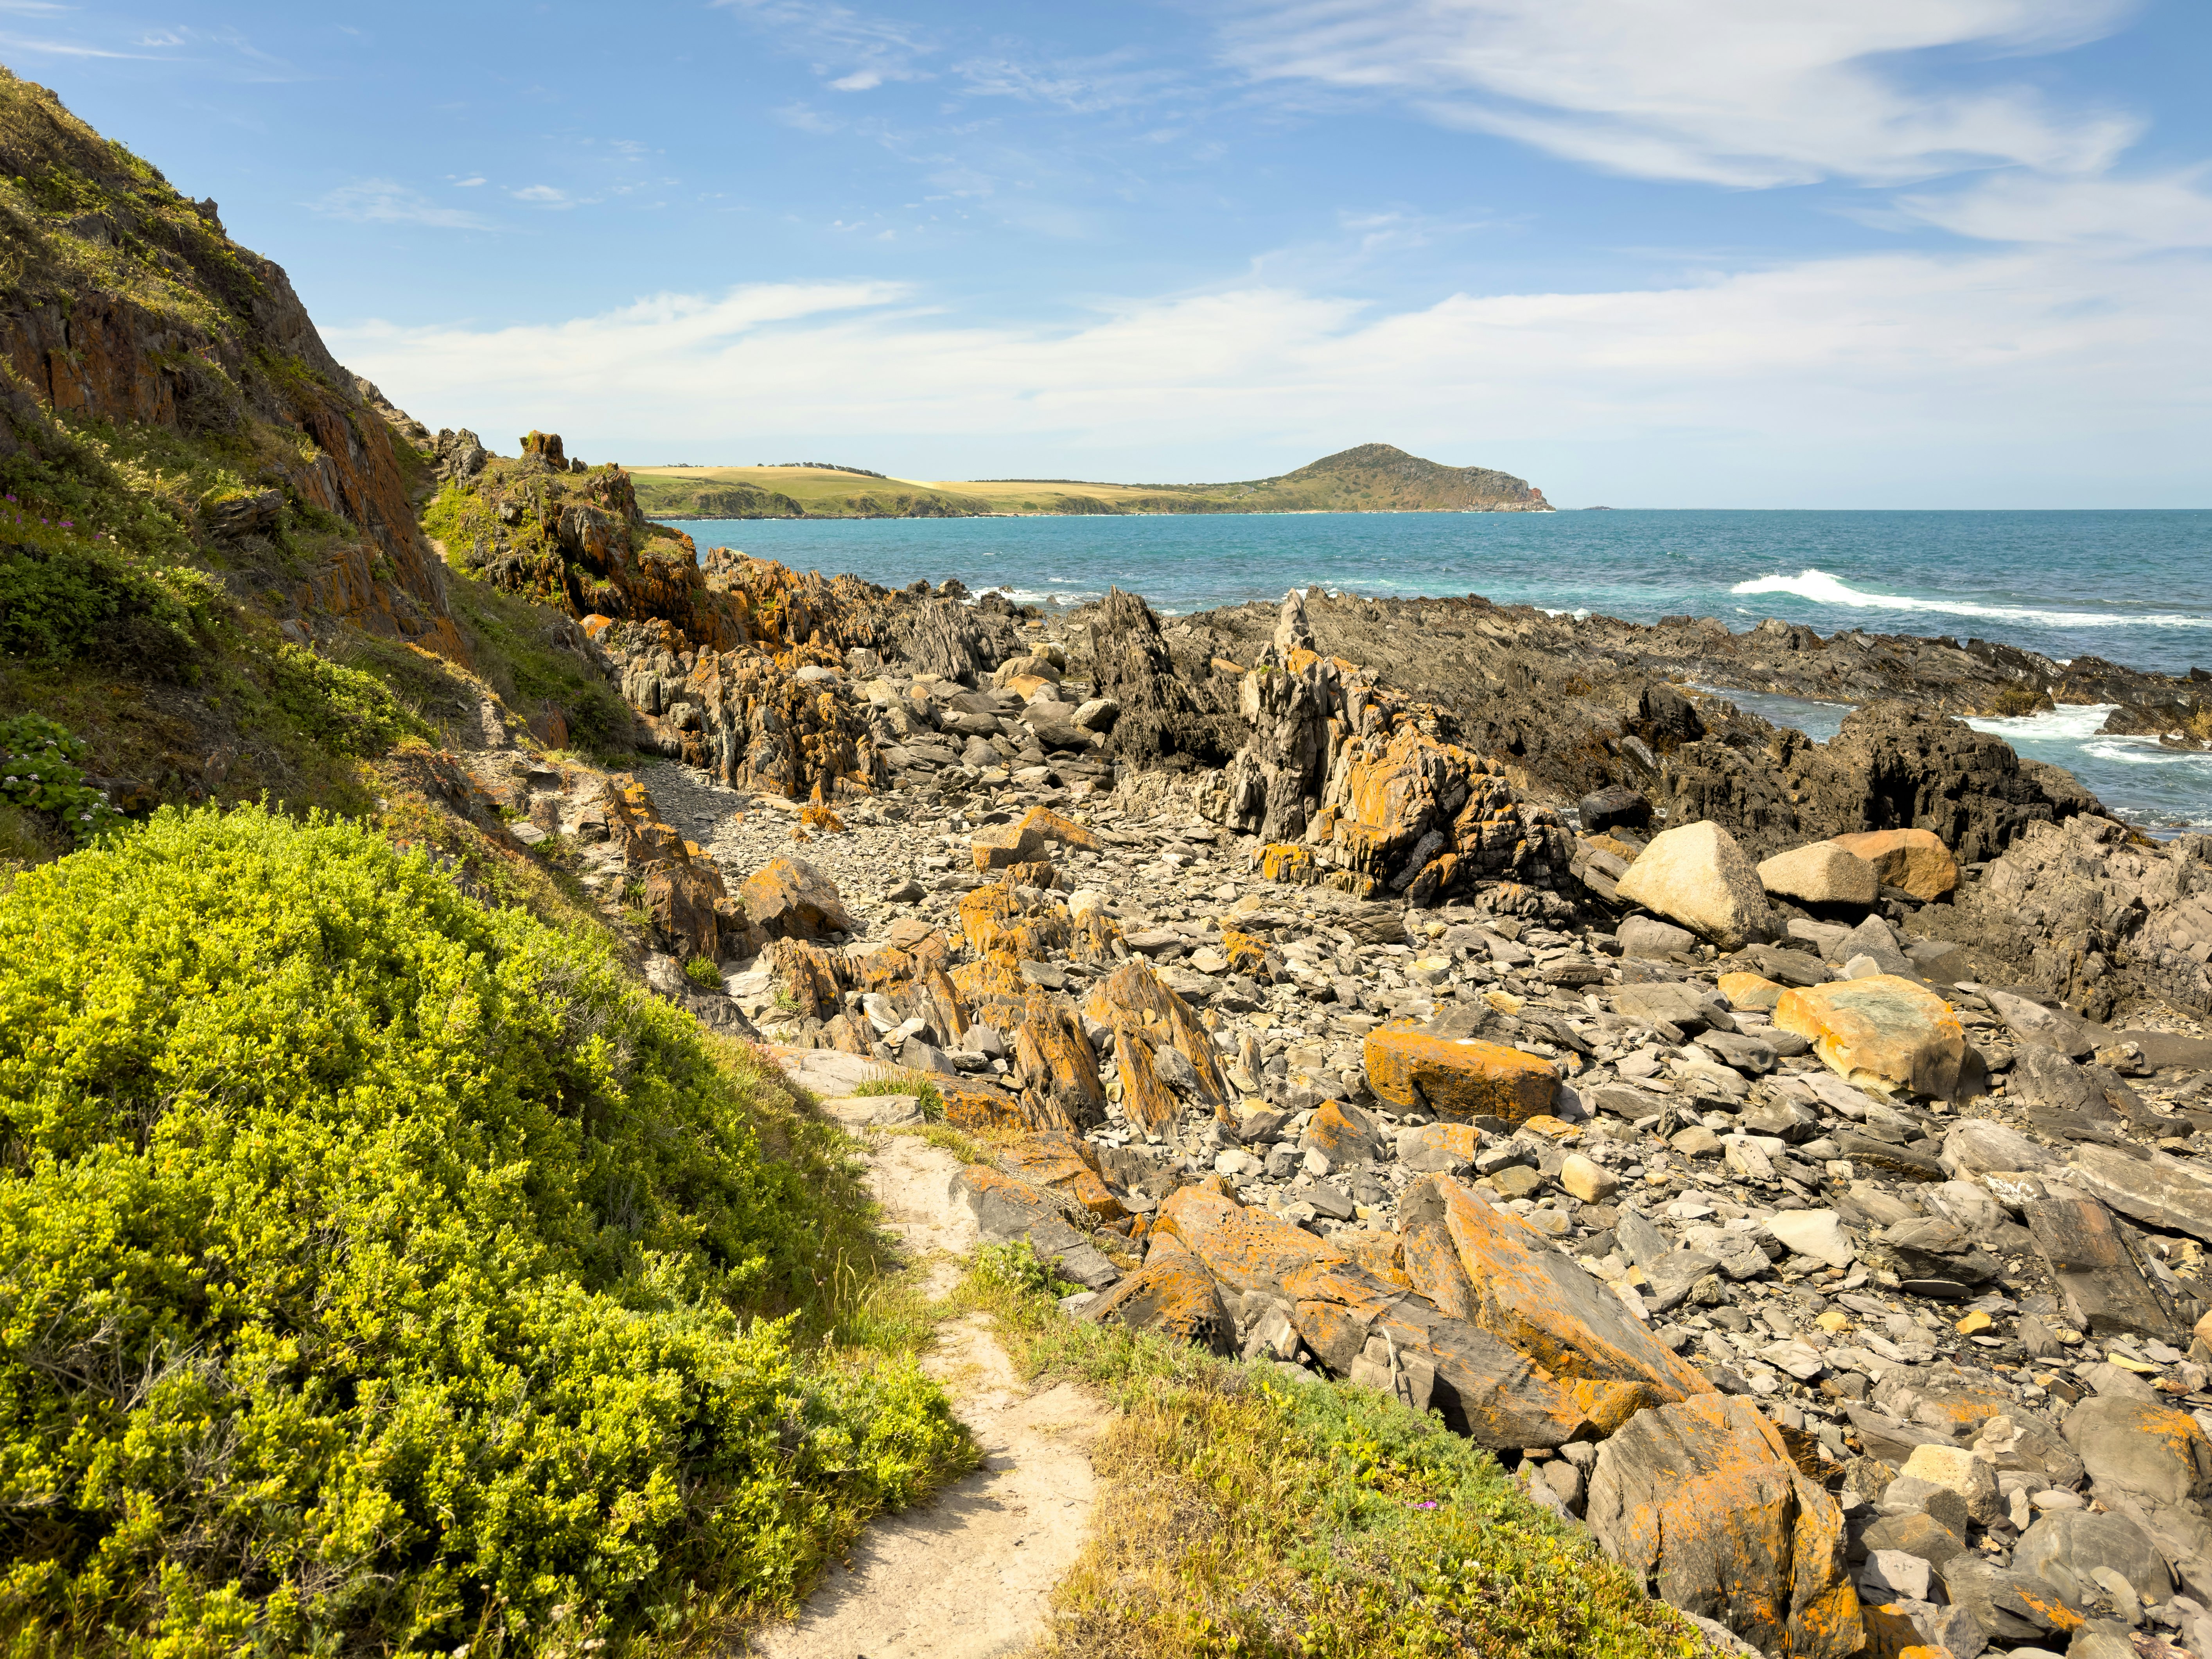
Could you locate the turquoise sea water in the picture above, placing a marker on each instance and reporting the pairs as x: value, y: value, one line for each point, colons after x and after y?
x: 2133, y: 588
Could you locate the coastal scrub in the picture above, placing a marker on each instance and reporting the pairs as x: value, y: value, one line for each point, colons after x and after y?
x: 379, y: 1271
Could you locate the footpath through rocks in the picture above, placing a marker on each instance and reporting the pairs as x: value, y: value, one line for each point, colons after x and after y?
x: 969, y: 1574
x: 1825, y: 1232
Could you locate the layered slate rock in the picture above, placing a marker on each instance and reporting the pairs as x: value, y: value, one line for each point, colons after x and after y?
x: 1173, y: 1294
x: 1008, y: 1208
x: 1884, y: 1032
x: 1479, y: 1264
x: 1695, y: 874
x: 1701, y: 1501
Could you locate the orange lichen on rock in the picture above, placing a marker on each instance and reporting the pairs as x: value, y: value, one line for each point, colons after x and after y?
x: 1287, y: 861
x: 1173, y: 1294
x: 1484, y: 1266
x: 1133, y: 995
x: 1063, y: 1162
x: 1051, y: 826
x: 996, y: 918
x: 1458, y: 1078
x: 1701, y: 1501
x: 1058, y: 1068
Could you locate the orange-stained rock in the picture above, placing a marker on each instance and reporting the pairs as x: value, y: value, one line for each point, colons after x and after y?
x: 813, y: 978
x: 1750, y: 991
x: 681, y: 897
x: 1133, y: 994
x: 1057, y: 1067
x: 1039, y: 873
x: 1063, y: 1162
x: 1173, y: 1294
x: 1344, y: 1133
x: 1484, y: 1266
x: 1382, y: 1253
x: 1434, y: 1148
x: 1458, y: 1078
x: 1884, y: 1032
x: 1249, y: 956
x: 1914, y: 860
x: 972, y: 1105
x: 998, y: 845
x: 1482, y: 1388
x: 1049, y: 825
x: 1701, y: 1501
x: 789, y: 898
x: 1092, y: 937
x: 998, y: 918
x: 1287, y: 861
x: 1149, y: 1104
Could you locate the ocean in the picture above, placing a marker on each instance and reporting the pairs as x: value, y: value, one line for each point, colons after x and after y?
x: 2134, y: 587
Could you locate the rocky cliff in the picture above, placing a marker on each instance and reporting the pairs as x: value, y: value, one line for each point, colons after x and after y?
x: 123, y: 303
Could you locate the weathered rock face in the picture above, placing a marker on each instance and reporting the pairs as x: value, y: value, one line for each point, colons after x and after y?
x: 1700, y: 1500
x: 1162, y: 722
x: 2097, y: 917
x: 1696, y: 875
x: 85, y: 331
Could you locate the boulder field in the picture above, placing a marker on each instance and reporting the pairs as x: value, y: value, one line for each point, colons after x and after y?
x: 1824, y: 1229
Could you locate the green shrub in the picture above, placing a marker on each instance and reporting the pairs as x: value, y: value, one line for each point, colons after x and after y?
x: 39, y: 772
x: 379, y: 1272
x: 62, y: 599
x: 345, y: 709
x: 703, y: 972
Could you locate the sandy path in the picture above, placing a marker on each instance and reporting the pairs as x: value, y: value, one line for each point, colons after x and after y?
x: 968, y: 1575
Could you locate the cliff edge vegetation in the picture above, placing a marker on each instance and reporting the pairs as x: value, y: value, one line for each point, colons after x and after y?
x: 1370, y: 478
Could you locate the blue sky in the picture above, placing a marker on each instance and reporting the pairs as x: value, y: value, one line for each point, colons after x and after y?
x: 1654, y: 252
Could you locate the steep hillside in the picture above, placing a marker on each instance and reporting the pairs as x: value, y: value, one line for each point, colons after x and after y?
x: 1370, y: 478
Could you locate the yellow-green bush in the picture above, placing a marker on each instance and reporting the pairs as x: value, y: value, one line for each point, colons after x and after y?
x: 379, y: 1272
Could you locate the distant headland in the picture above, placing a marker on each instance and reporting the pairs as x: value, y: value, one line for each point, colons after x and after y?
x: 1370, y: 478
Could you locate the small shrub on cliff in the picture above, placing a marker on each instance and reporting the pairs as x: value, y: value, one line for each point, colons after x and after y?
x: 382, y: 1273
x: 63, y: 599
x: 702, y: 972
x: 40, y: 772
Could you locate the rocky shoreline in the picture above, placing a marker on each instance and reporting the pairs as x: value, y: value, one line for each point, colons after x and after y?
x: 1789, y: 1159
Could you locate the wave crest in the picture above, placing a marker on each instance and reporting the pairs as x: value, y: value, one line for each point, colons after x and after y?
x: 1821, y: 588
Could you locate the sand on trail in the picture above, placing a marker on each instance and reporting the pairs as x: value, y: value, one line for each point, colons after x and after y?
x: 968, y: 1574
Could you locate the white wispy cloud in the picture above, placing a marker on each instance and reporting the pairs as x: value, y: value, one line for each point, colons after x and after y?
x: 1789, y: 380
x: 386, y: 201
x: 861, y: 50
x: 42, y: 46
x: 1740, y: 93
x: 2111, y: 215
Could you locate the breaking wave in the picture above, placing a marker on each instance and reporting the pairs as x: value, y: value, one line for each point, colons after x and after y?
x: 1821, y: 588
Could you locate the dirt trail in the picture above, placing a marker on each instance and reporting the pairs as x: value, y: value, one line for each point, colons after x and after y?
x: 968, y: 1575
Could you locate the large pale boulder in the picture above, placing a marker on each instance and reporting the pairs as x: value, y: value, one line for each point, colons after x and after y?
x: 1698, y: 876
x: 1701, y: 1500
x: 1457, y: 1078
x: 1823, y: 873
x: 1915, y: 861
x: 1884, y: 1032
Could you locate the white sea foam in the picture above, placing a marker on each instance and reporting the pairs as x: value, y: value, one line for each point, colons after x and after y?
x: 2073, y: 723
x: 1822, y: 588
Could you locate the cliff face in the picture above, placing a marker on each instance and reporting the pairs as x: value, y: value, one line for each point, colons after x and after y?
x: 122, y: 302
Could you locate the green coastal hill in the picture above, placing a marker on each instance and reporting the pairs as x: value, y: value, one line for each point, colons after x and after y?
x: 1370, y: 478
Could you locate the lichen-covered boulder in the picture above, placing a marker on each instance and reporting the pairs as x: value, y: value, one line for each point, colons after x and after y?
x: 1884, y: 1032
x: 1173, y: 1294
x: 1700, y: 1501
x: 1458, y: 1078
x: 789, y: 898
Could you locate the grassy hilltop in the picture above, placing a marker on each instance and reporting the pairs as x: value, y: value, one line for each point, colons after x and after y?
x: 1370, y: 478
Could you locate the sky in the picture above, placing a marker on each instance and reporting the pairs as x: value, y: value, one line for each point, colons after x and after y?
x: 1819, y: 253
